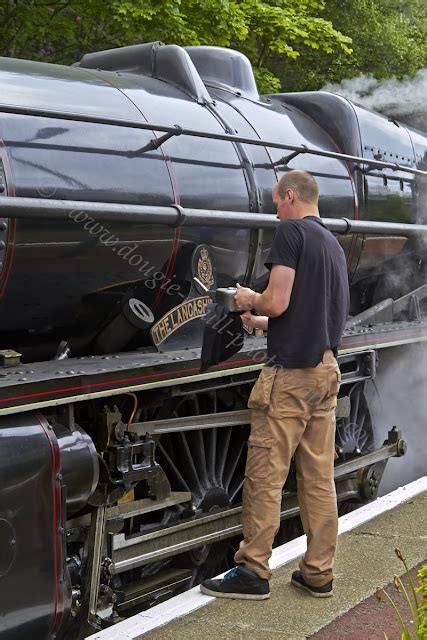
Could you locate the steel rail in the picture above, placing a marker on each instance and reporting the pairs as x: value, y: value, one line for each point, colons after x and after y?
x: 50, y: 209
x: 176, y: 130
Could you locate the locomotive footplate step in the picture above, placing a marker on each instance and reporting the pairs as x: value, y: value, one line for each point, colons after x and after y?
x: 40, y: 384
x: 158, y: 587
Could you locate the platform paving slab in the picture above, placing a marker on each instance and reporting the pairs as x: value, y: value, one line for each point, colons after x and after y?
x: 365, y: 560
x: 370, y: 618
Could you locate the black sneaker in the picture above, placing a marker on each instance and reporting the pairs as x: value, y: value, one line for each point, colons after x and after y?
x: 325, y: 591
x: 240, y: 583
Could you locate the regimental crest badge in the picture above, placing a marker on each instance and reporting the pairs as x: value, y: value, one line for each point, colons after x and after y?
x: 203, y: 268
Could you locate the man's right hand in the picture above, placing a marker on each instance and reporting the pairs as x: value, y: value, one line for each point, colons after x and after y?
x: 256, y: 322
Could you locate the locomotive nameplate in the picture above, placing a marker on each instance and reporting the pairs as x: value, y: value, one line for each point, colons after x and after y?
x: 177, y: 317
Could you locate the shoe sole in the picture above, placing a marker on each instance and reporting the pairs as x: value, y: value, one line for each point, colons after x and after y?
x: 297, y: 584
x: 234, y: 596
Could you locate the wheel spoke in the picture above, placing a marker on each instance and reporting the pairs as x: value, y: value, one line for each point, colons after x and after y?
x: 355, y: 406
x: 214, y: 400
x: 362, y: 443
x: 188, y: 464
x: 223, y: 448
x: 210, y: 448
x: 356, y: 433
x: 237, y: 453
x: 207, y: 462
x: 200, y: 457
x: 234, y: 491
x: 361, y: 422
x: 173, y: 469
x: 196, y: 405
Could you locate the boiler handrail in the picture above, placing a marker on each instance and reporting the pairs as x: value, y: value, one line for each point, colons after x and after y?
x: 176, y: 130
x: 50, y: 209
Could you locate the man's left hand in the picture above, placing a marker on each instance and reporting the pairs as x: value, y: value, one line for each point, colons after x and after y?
x: 244, y: 297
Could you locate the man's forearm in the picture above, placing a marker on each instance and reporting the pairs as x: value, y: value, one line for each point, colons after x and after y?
x: 272, y: 302
x: 262, y: 304
x: 260, y: 322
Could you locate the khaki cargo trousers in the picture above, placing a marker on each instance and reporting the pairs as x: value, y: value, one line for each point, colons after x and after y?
x: 293, y: 414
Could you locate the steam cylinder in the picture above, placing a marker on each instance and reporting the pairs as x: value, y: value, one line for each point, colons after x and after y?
x: 79, y: 465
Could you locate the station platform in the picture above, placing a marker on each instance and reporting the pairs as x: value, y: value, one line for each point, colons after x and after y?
x: 365, y: 560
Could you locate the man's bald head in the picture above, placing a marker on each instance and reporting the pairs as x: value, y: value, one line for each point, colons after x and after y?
x: 302, y: 183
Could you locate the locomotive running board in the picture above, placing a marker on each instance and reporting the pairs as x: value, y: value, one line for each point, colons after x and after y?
x: 43, y: 384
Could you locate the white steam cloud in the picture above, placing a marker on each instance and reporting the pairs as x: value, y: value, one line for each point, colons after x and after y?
x: 400, y: 399
x: 404, y: 100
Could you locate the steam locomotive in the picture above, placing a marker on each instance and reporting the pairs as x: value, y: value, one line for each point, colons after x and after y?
x: 133, y: 186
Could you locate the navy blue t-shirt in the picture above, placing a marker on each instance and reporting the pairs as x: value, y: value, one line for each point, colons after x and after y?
x: 315, y: 318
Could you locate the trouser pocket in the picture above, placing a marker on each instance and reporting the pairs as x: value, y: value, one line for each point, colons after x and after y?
x: 335, y: 382
x: 332, y: 387
x: 259, y: 400
x: 259, y: 458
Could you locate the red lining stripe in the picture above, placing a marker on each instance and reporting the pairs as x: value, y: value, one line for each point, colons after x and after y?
x: 11, y: 191
x: 59, y: 493
x: 10, y: 250
x: 110, y: 382
x: 353, y: 186
x: 165, y: 373
x: 176, y: 232
x: 55, y: 532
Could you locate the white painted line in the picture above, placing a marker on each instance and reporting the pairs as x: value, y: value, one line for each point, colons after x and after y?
x: 291, y: 550
x: 193, y: 599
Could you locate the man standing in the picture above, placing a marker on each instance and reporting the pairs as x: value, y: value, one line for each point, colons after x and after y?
x: 293, y: 402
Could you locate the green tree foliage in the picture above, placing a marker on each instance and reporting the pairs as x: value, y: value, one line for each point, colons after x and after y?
x: 389, y: 39
x: 63, y: 31
x: 292, y: 44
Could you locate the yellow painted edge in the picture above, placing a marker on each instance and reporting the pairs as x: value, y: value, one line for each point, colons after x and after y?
x: 183, y: 380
